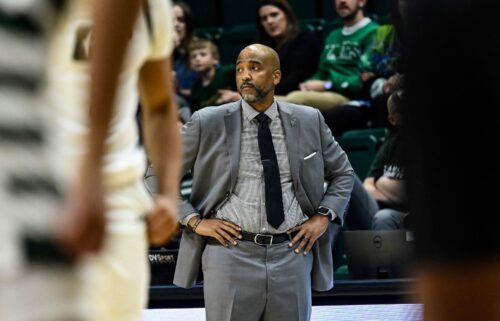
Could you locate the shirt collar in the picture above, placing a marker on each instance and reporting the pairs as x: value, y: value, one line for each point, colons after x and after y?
x: 347, y: 31
x: 249, y: 113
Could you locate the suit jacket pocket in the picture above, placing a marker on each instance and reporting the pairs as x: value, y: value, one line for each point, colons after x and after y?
x: 312, y: 178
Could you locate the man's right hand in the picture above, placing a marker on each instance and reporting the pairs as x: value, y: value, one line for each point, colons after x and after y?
x: 222, y: 231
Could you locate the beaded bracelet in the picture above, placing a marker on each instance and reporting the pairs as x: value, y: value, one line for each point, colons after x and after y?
x: 195, y: 225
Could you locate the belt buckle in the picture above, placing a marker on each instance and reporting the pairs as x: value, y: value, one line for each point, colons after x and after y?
x: 258, y: 243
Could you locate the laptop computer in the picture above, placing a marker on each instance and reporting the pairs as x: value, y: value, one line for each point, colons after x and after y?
x: 379, y: 254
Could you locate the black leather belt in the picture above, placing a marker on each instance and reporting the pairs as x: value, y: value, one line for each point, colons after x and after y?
x: 265, y: 239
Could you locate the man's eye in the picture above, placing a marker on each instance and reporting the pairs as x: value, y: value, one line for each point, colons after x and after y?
x: 255, y: 68
x: 239, y: 70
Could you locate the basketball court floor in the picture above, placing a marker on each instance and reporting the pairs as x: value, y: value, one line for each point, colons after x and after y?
x: 378, y: 312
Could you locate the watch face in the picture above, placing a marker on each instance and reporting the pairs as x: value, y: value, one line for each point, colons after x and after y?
x: 323, y: 210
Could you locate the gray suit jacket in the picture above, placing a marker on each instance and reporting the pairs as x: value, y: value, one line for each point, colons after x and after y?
x: 212, y: 152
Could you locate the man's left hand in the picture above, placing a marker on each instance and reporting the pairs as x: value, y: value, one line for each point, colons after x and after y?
x: 309, y: 232
x: 162, y: 221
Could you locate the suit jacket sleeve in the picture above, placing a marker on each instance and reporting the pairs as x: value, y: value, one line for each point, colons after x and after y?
x: 339, y: 175
x: 191, y: 141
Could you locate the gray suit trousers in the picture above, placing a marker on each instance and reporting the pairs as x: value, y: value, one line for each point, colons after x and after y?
x: 249, y: 282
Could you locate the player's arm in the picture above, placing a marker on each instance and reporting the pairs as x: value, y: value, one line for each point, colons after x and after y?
x: 82, y: 229
x: 163, y: 144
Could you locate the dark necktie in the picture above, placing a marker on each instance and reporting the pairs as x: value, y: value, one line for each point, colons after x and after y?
x: 274, y: 198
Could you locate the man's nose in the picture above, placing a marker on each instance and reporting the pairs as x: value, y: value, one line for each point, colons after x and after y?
x: 246, y: 75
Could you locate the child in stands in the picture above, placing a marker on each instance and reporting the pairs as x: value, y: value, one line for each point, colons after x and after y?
x: 216, y: 84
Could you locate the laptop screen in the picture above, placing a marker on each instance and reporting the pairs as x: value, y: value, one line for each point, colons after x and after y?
x: 379, y: 254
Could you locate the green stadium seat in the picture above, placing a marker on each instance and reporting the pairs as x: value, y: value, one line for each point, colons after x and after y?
x: 361, y: 151
x: 339, y: 256
x: 331, y: 25
x: 211, y: 33
x: 314, y: 25
x: 341, y: 273
x: 381, y: 134
x: 378, y: 9
x: 328, y: 10
x: 304, y: 9
x: 205, y: 13
x: 233, y: 40
x: 381, y: 20
x: 238, y: 12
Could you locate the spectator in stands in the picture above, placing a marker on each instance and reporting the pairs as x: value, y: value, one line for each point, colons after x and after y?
x: 381, y: 75
x: 362, y: 207
x: 386, y: 181
x: 337, y: 78
x: 184, y: 34
x: 216, y: 84
x: 299, y: 50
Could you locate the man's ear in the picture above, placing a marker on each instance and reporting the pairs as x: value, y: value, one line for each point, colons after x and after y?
x: 276, y: 77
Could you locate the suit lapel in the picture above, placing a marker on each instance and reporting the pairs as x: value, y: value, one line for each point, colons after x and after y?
x: 232, y: 120
x: 291, y: 128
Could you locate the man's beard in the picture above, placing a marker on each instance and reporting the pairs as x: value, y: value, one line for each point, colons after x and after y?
x: 255, y: 97
x: 351, y: 16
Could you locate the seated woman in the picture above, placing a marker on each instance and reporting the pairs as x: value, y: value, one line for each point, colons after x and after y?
x: 184, y: 34
x: 298, y: 50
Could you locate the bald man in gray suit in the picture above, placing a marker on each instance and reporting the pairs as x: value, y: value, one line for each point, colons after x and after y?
x: 261, y: 219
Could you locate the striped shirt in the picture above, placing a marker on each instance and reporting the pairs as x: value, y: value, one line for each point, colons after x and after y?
x: 246, y: 206
x: 30, y: 191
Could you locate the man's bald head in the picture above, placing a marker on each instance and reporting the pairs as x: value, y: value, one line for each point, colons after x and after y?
x: 267, y: 54
x: 257, y: 74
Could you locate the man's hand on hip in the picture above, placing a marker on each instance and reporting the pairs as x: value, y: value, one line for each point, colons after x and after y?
x: 222, y: 231
x: 308, y: 232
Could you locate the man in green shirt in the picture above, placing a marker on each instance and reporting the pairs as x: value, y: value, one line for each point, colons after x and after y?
x: 337, y: 78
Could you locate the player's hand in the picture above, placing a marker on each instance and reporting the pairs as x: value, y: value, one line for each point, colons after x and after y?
x: 162, y: 221
x: 82, y: 226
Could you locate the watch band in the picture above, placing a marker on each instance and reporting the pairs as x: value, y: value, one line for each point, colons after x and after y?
x: 323, y: 210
